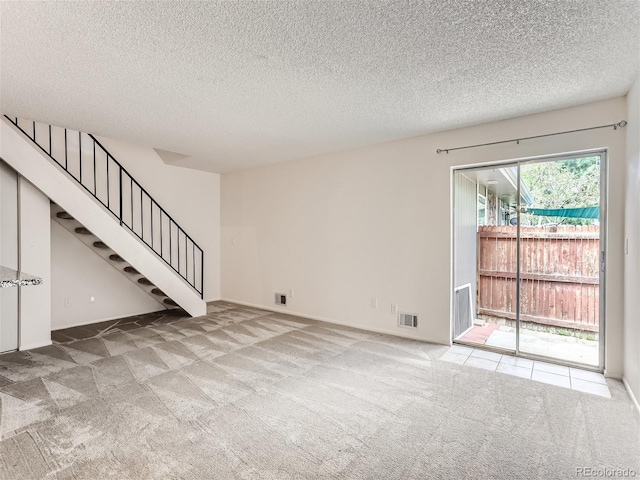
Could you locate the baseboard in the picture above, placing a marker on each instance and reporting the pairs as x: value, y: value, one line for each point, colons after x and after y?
x: 335, y: 322
x: 630, y: 392
x: 117, y: 317
x: 612, y: 376
x: 35, y: 345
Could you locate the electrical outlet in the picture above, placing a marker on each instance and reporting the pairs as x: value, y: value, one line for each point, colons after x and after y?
x: 67, y: 302
x: 374, y: 302
x: 394, y: 308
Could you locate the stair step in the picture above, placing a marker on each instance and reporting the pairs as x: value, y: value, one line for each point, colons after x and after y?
x: 168, y: 301
x: 116, y: 258
x: 83, y: 231
x: 157, y: 291
x: 144, y: 281
x: 64, y: 216
x: 100, y: 245
x: 131, y: 270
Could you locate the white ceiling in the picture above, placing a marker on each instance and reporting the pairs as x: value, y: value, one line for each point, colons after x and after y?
x: 235, y: 84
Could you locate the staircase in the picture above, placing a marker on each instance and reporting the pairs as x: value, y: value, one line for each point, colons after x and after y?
x: 63, y: 218
x: 112, y: 213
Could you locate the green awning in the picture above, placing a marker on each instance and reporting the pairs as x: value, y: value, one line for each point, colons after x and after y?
x: 584, y: 212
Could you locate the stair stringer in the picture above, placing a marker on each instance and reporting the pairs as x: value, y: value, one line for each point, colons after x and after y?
x: 30, y: 162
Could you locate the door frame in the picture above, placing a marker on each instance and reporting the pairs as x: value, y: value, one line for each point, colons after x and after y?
x: 604, y: 176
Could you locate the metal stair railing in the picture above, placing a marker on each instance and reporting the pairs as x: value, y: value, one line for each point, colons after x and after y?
x: 100, y: 174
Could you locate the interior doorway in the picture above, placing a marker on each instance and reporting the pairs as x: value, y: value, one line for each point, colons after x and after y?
x: 528, y: 265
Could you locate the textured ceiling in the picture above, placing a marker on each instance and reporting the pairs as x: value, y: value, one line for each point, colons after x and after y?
x: 236, y: 84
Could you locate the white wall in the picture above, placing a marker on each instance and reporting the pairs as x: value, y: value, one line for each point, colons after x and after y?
x: 191, y: 197
x: 77, y: 274
x: 376, y: 221
x: 632, y: 233
x: 35, y: 259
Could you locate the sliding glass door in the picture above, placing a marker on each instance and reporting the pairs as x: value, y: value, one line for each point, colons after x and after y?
x: 530, y: 266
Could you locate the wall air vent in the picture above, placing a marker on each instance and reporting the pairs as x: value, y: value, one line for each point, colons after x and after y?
x: 281, y: 299
x: 408, y: 320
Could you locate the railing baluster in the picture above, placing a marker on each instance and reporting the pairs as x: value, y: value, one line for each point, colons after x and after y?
x: 170, y: 245
x: 66, y: 161
x: 34, y: 132
x: 80, y: 154
x: 131, y: 199
x: 121, y: 213
x: 141, y: 215
x: 50, y: 140
x: 201, y: 273
x: 95, y: 187
x: 178, y: 249
x: 151, y: 210
x: 193, y: 260
x: 108, y: 191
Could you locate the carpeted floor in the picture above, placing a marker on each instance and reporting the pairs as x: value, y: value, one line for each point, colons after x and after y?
x: 244, y: 393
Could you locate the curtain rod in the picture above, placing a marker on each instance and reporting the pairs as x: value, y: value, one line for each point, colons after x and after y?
x: 615, y: 126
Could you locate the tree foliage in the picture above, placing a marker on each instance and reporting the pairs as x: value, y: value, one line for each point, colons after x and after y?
x: 563, y: 184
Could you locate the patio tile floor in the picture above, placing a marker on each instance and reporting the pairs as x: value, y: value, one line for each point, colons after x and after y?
x: 568, y: 348
x: 565, y: 377
x: 551, y: 368
x: 509, y: 369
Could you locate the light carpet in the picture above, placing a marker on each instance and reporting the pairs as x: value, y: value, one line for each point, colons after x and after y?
x: 248, y: 394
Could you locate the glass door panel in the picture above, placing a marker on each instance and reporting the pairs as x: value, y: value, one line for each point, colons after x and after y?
x: 485, y: 256
x: 560, y: 245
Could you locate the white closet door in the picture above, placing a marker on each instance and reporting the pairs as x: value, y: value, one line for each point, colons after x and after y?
x: 8, y: 256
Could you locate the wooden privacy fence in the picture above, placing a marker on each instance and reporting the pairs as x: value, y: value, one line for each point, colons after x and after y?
x: 559, y: 275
